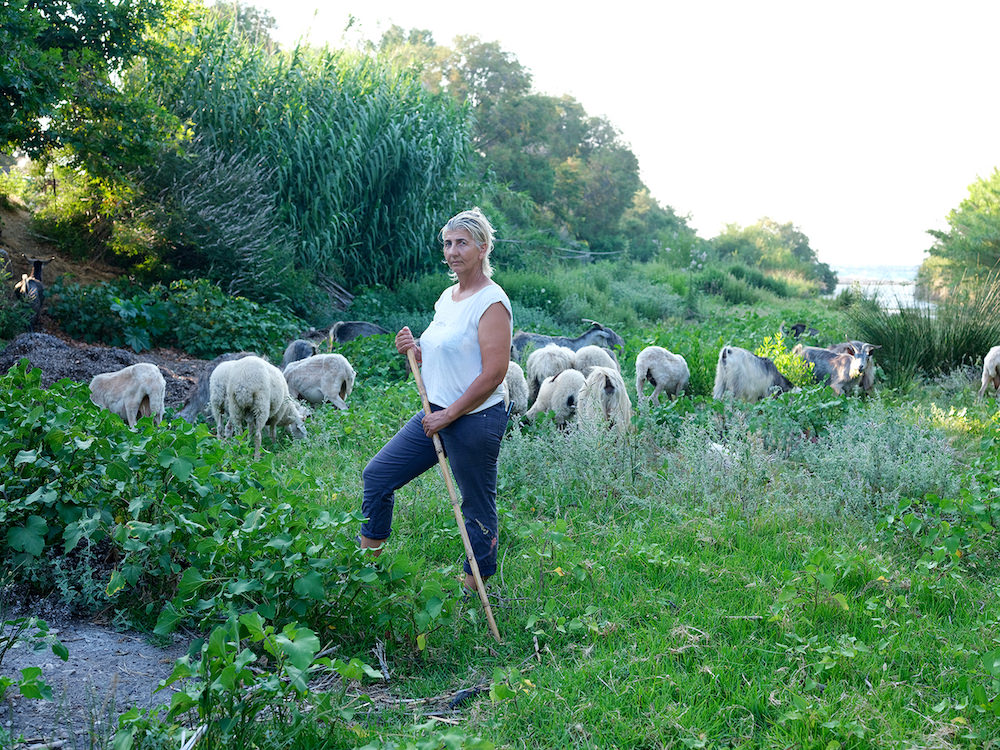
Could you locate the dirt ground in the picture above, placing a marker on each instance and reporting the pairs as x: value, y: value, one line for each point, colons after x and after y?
x: 108, y: 671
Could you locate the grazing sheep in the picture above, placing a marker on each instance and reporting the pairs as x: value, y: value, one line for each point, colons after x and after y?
x: 596, y: 334
x: 843, y: 366
x: 665, y: 371
x: 324, y: 377
x: 298, y: 349
x: 517, y: 388
x: 133, y: 392
x: 544, y: 363
x: 256, y: 396
x: 558, y: 394
x: 593, y: 356
x: 31, y: 288
x: 603, y: 398
x: 991, y: 373
x: 199, y: 398
x: 218, y: 382
x: 747, y: 376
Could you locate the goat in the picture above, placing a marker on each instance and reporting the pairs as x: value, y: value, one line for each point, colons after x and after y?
x: 348, y: 330
x: 747, y: 376
x: 298, y: 349
x: 843, y: 366
x: 31, y: 289
x: 596, y: 334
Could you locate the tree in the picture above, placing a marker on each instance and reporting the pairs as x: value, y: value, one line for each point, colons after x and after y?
x: 970, y: 248
x: 61, y: 54
x: 771, y: 246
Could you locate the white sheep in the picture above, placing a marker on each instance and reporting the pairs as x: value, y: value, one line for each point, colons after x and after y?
x: 593, y: 356
x: 603, y: 398
x: 217, y: 384
x: 516, y: 386
x: 131, y: 393
x: 991, y: 373
x: 256, y: 396
x: 665, y: 371
x: 558, y: 394
x: 321, y: 377
x: 543, y: 363
x: 747, y: 376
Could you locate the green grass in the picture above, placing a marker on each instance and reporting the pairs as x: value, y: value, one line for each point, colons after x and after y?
x: 827, y: 576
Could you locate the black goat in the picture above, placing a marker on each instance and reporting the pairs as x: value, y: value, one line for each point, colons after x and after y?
x: 31, y: 289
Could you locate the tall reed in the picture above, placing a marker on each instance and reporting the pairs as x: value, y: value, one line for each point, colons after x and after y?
x: 365, y: 161
x: 931, y: 340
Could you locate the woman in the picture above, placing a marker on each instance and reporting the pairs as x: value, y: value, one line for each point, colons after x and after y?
x: 463, y: 357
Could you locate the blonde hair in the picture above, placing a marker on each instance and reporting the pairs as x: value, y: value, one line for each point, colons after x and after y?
x: 479, y: 227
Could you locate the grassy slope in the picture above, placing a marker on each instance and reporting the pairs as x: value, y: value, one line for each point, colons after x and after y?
x: 634, y: 617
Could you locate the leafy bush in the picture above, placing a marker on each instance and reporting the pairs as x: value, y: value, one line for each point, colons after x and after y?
x: 714, y: 280
x: 757, y: 278
x: 194, y: 316
x: 14, y: 312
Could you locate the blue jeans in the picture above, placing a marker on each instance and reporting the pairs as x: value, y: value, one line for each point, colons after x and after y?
x: 472, y: 445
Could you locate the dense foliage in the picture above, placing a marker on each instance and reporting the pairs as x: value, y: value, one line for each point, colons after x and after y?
x: 59, y: 59
x: 969, y: 250
x: 196, y: 317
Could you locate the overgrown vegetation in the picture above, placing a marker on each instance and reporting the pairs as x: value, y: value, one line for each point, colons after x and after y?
x: 803, y: 558
x: 196, y: 317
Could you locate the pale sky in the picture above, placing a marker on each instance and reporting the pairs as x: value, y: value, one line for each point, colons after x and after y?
x: 863, y: 123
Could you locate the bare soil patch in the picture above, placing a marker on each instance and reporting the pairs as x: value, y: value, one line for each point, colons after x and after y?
x: 108, y: 671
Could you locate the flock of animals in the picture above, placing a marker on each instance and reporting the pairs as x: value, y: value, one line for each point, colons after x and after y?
x: 573, y: 378
x: 581, y: 377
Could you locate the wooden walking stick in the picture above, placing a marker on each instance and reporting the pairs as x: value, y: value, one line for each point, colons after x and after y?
x: 455, y: 503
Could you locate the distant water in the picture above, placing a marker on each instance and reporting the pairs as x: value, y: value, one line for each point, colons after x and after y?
x: 894, y: 286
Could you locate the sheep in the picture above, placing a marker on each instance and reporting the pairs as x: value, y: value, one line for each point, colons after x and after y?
x: 298, y: 349
x: 544, y: 363
x: 256, y: 396
x: 665, y: 371
x: 596, y: 334
x: 603, y: 398
x: 133, y: 392
x: 199, y: 397
x: 323, y: 377
x: 991, y: 373
x: 747, y: 376
x: 516, y: 386
x: 843, y: 366
x: 31, y: 289
x: 218, y: 383
x: 558, y: 394
x: 593, y: 356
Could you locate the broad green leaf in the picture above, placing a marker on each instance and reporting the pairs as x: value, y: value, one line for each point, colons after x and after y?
x: 29, y: 538
x: 310, y: 586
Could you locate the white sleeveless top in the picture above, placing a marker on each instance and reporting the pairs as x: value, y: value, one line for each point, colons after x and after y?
x: 449, y: 348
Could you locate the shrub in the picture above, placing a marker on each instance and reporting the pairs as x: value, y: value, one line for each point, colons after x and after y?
x: 871, y: 459
x: 194, y: 316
